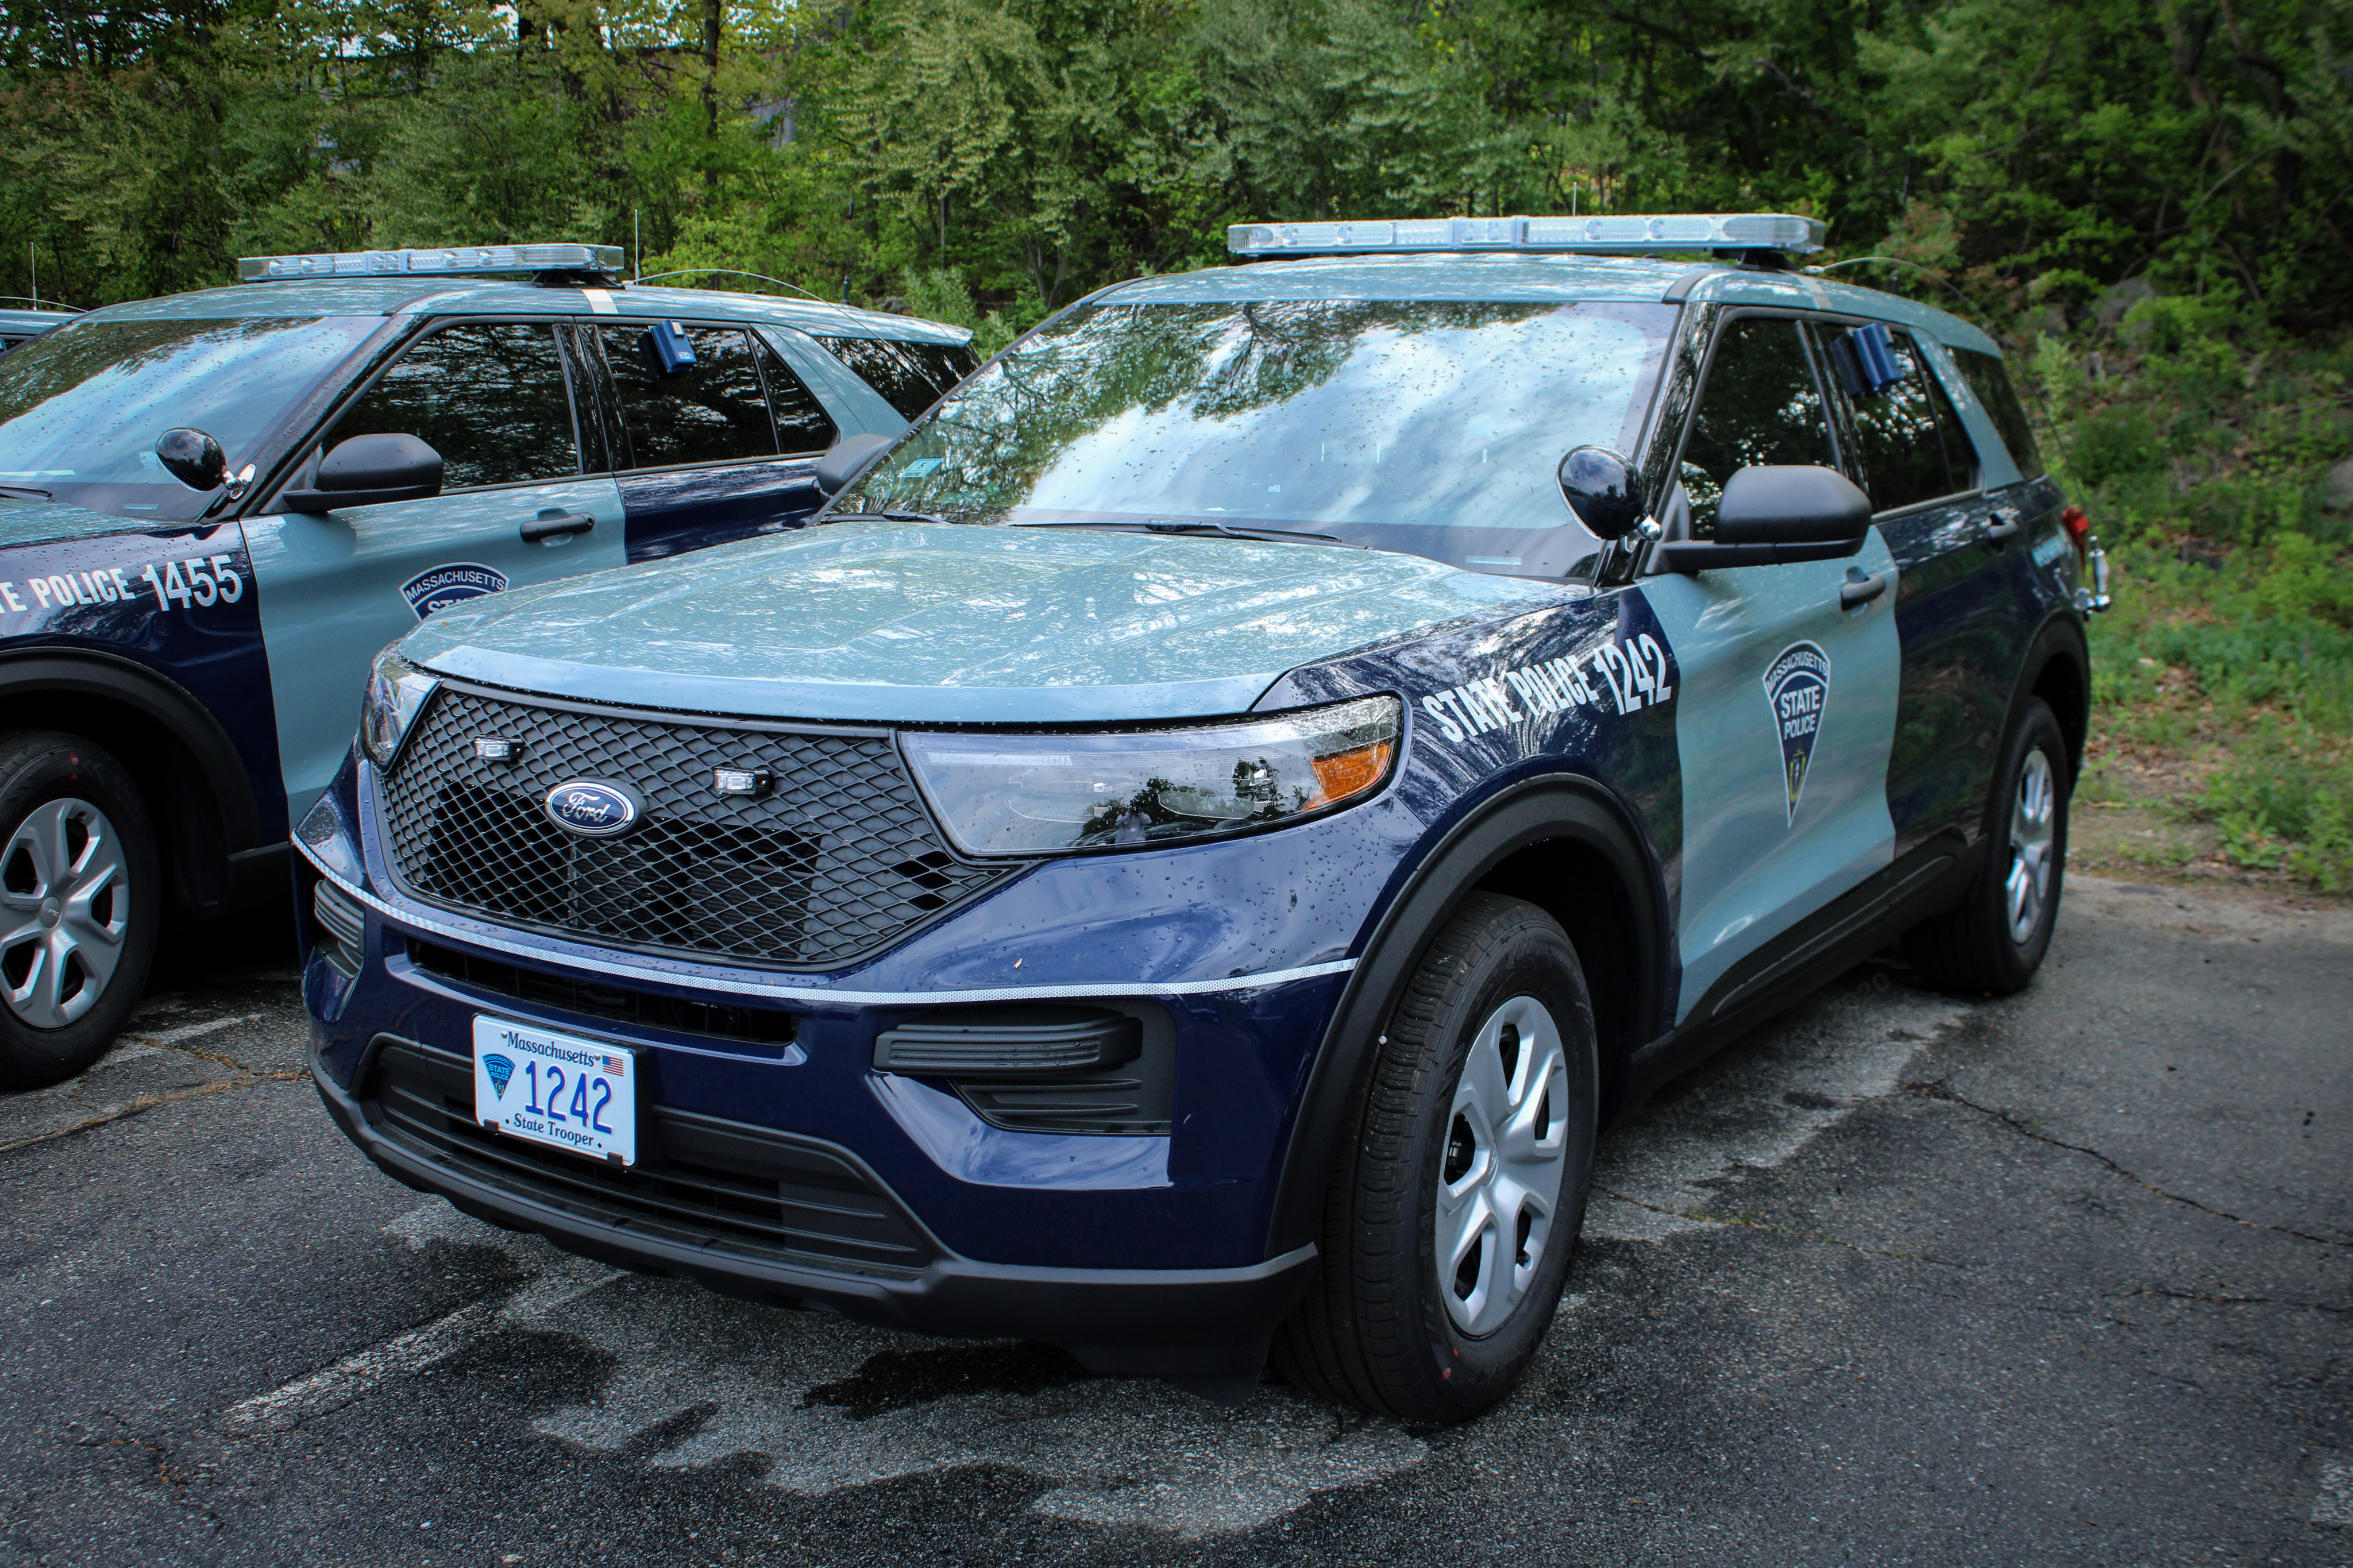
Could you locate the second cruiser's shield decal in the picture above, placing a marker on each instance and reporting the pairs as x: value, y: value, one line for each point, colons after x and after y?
x: 1798, y: 685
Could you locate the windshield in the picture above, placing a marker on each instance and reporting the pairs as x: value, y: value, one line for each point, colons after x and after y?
x: 1434, y: 427
x: 80, y: 408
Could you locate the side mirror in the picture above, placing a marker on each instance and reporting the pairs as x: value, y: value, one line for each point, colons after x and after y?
x: 1771, y: 514
x: 192, y: 458
x: 1766, y: 505
x: 850, y: 457
x: 1604, y: 491
x: 369, y: 470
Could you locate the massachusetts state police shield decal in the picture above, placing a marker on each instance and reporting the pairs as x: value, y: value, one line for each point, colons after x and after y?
x: 1798, y: 685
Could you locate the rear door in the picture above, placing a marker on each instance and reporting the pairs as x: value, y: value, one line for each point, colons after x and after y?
x: 723, y: 447
x: 494, y: 399
x: 1787, y: 702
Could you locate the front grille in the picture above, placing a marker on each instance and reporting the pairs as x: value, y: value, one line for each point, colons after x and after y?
x: 838, y: 861
x: 700, y: 1180
x: 620, y: 1004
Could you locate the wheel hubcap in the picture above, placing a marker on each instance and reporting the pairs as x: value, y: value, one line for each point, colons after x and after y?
x: 65, y: 908
x: 2034, y: 830
x: 1499, y: 1176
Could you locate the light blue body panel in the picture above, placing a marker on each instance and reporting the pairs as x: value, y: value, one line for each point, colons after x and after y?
x: 857, y: 408
x: 1798, y: 291
x: 888, y: 623
x: 332, y: 594
x: 1563, y: 277
x: 1754, y: 864
x: 16, y: 324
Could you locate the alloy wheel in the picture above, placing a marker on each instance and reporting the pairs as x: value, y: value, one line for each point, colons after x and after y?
x: 2033, y: 832
x: 65, y: 910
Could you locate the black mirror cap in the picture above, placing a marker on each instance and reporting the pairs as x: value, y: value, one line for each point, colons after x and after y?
x: 192, y: 458
x: 1604, y: 491
x: 850, y: 457
x: 370, y: 470
x: 1766, y: 504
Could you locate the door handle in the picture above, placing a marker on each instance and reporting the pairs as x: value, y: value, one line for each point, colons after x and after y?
x: 562, y: 525
x: 1861, y: 591
x: 1999, y: 527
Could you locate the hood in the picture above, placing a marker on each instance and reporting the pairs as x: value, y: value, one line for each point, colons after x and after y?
x: 939, y: 624
x: 25, y: 520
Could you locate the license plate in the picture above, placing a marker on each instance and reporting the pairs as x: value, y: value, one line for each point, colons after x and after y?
x: 568, y: 1093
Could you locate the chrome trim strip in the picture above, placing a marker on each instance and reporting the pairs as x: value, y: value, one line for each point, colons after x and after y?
x: 616, y: 966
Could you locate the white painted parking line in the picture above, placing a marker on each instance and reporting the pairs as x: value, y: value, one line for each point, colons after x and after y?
x: 2333, y: 1508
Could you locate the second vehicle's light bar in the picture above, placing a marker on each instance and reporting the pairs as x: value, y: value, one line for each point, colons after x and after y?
x: 1628, y: 235
x: 448, y: 258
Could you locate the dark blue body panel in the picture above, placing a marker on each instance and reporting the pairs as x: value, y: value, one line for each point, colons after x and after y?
x: 136, y: 596
x: 673, y: 511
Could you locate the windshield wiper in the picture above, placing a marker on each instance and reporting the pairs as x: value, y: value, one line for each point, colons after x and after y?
x: 1203, y: 529
x: 889, y: 517
x: 27, y: 490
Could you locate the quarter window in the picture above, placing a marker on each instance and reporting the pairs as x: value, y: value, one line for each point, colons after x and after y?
x: 1760, y: 404
x: 488, y: 396
x: 1989, y: 379
x: 910, y: 376
x: 716, y: 409
x: 1909, y: 443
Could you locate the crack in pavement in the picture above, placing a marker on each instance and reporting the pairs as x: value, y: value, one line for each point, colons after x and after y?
x: 140, y: 1105
x: 1940, y: 1089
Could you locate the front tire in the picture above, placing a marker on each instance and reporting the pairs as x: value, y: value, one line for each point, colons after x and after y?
x: 80, y: 896
x: 1462, y: 1184
x: 1993, y: 941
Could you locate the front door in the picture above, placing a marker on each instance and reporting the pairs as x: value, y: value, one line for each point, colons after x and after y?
x: 515, y: 508
x: 1787, y: 705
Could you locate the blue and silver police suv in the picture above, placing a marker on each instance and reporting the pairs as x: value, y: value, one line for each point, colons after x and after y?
x: 1183, y: 856
x: 215, y: 507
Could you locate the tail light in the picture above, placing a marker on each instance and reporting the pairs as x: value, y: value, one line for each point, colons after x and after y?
x: 2079, y: 529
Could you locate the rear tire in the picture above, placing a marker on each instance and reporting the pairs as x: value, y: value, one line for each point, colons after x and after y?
x: 1461, y: 1185
x: 1993, y: 941
x: 82, y: 894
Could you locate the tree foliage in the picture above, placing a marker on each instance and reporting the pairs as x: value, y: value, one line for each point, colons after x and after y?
x: 1022, y: 151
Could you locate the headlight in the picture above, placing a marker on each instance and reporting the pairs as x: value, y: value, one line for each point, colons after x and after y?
x: 396, y: 690
x: 1036, y: 795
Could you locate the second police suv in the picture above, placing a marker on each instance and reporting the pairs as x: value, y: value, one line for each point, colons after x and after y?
x: 1185, y: 854
x: 215, y: 507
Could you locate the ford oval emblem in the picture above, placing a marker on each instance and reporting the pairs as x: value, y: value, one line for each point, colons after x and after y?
x: 594, y: 808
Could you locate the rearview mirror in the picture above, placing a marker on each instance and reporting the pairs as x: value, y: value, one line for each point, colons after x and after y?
x: 192, y: 458
x: 370, y: 470
x: 847, y: 460
x: 1604, y: 491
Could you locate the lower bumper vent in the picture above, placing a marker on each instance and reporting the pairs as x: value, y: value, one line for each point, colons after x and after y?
x: 700, y: 1179
x: 1045, y: 1068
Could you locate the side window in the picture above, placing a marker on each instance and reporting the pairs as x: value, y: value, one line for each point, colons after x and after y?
x: 1989, y: 379
x: 489, y: 396
x: 716, y: 409
x: 1909, y: 442
x: 910, y: 376
x: 1760, y: 404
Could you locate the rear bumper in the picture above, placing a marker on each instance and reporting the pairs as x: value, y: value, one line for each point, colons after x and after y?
x: 1174, y: 1322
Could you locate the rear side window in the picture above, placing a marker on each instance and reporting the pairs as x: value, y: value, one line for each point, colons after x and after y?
x: 1760, y: 404
x: 1989, y: 379
x: 910, y: 376
x: 1910, y: 446
x: 488, y: 395
x: 717, y: 409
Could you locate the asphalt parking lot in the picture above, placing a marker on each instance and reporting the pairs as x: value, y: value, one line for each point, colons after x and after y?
x: 2057, y: 1279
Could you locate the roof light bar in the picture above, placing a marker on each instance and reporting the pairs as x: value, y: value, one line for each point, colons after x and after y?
x: 452, y: 258
x: 1630, y: 235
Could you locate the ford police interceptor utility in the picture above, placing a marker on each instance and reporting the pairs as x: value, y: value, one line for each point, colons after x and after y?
x: 215, y: 507
x: 1185, y: 853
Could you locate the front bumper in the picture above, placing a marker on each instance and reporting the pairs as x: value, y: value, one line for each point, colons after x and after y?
x: 1170, y: 1322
